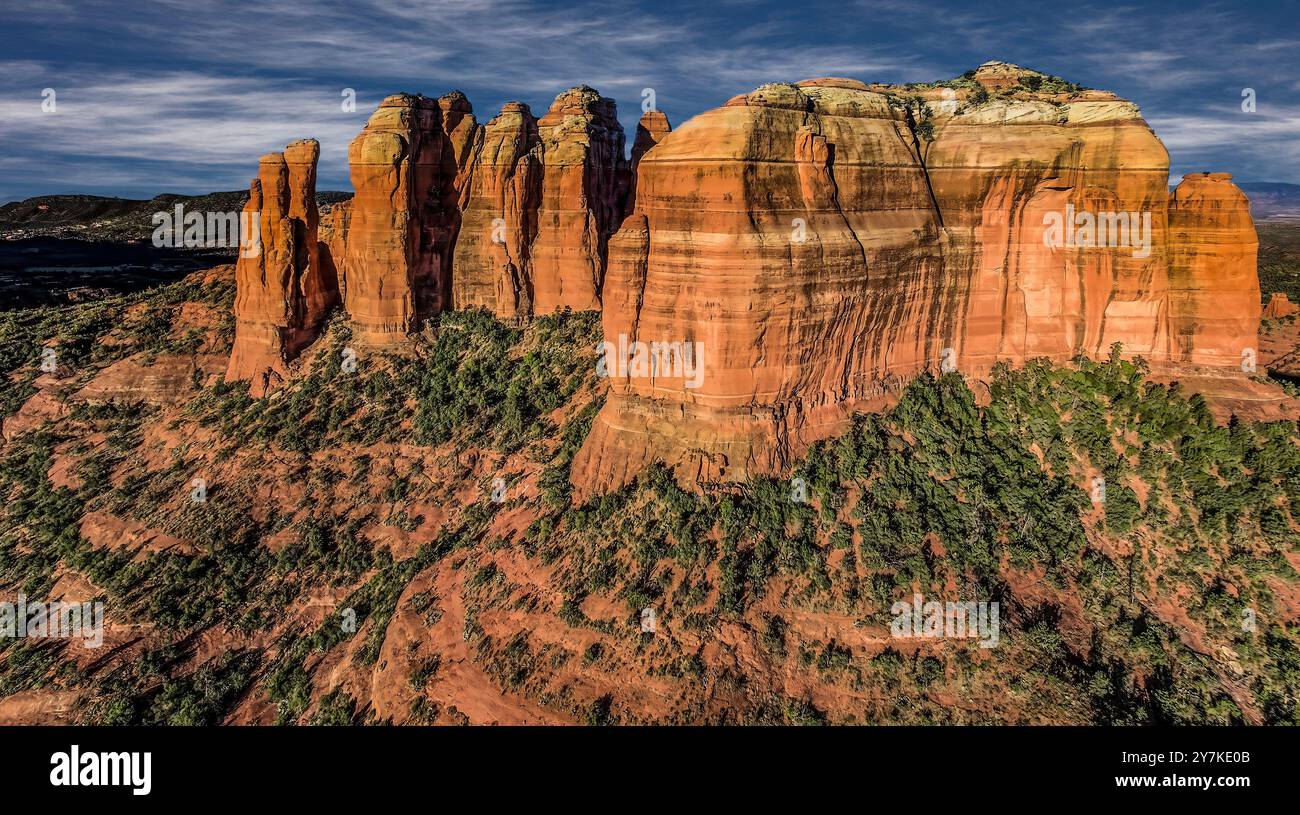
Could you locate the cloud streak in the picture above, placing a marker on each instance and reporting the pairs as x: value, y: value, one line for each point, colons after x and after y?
x: 187, y: 96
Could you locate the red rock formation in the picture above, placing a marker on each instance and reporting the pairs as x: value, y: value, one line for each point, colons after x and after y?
x: 407, y: 169
x: 959, y: 233
x: 542, y: 199
x: 581, y: 206
x: 282, y: 294
x: 1003, y: 171
x: 332, y: 243
x: 421, y: 167
x: 790, y: 233
x: 650, y: 130
x: 1279, y: 306
x: 499, y: 221
x: 1213, y: 283
x: 792, y: 256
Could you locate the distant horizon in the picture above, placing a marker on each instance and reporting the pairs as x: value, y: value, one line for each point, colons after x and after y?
x: 1236, y: 181
x: 185, y: 99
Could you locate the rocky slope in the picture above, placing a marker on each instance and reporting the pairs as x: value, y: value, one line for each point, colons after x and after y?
x: 398, y: 544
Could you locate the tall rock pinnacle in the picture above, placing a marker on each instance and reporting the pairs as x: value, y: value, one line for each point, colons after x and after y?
x: 283, y: 294
x: 402, y: 225
x: 543, y: 198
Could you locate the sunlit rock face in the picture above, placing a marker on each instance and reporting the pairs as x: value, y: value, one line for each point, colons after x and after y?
x: 823, y: 242
x: 543, y: 197
x: 408, y: 168
x: 789, y: 236
x: 1005, y: 174
x: 774, y: 264
x: 1214, y: 286
x: 582, y: 158
x: 650, y: 130
x: 283, y: 295
x: 492, y: 267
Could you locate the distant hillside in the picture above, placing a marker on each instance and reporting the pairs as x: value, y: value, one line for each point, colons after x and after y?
x: 98, y: 218
x: 1270, y: 200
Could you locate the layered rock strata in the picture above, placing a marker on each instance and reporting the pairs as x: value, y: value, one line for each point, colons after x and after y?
x: 822, y: 242
x: 408, y: 168
x: 1018, y: 179
x: 785, y: 259
x: 789, y: 240
x: 492, y: 265
x: 1213, y: 282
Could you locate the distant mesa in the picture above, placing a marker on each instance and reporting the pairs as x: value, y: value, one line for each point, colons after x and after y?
x: 1279, y: 306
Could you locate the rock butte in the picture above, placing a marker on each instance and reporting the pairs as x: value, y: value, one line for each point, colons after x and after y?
x: 823, y: 242
x: 1279, y: 306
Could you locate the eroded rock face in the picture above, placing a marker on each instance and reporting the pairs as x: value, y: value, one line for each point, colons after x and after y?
x: 1214, y: 287
x: 788, y: 239
x: 542, y: 199
x: 492, y: 267
x: 581, y: 204
x: 283, y: 295
x: 650, y: 130
x: 531, y: 205
x: 824, y: 242
x: 407, y: 169
x: 792, y: 256
x: 1003, y: 173
x: 332, y: 243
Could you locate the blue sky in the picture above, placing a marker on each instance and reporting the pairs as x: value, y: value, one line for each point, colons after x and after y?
x: 182, y: 96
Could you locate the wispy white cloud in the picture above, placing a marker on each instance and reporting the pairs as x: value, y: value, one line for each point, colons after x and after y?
x: 187, y: 95
x: 192, y: 123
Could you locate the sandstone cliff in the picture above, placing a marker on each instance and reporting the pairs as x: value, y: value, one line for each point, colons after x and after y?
x: 791, y: 237
x: 1000, y: 170
x: 407, y: 169
x: 513, y: 216
x: 581, y: 206
x: 499, y: 222
x: 1214, y: 287
x: 823, y: 241
x: 785, y: 259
